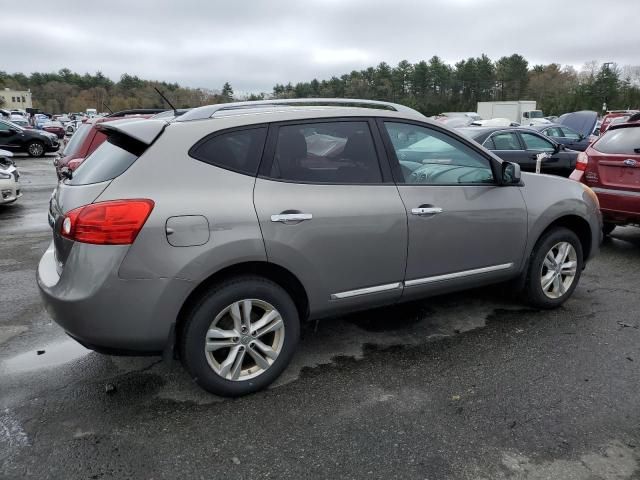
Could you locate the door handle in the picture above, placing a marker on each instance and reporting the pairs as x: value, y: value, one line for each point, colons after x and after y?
x: 291, y: 217
x: 426, y: 210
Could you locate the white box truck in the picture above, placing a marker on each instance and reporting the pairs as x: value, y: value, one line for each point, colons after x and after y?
x: 521, y: 111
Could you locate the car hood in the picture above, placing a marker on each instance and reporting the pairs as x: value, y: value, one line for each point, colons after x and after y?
x: 582, y: 122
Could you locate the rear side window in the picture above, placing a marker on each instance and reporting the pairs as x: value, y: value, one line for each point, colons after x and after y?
x: 624, y: 141
x: 238, y: 150
x: 504, y: 141
x: 77, y: 139
x: 327, y: 152
x: 108, y: 161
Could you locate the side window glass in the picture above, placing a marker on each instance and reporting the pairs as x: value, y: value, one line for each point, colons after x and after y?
x: 553, y: 132
x: 331, y: 152
x: 429, y: 157
x: 239, y: 150
x: 570, y: 134
x: 535, y: 142
x: 4, y: 127
x: 505, y: 141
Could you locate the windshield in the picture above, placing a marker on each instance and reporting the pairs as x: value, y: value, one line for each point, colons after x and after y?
x: 76, y: 140
x: 623, y: 141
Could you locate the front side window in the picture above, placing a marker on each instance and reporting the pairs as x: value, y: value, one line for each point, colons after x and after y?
x: 429, y: 157
x: 238, y: 150
x: 503, y: 141
x: 327, y: 152
x: 536, y: 142
x: 4, y: 127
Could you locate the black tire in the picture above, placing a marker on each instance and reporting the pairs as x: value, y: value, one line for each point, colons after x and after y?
x: 533, y: 292
x: 193, y: 335
x: 35, y: 149
x: 607, y: 228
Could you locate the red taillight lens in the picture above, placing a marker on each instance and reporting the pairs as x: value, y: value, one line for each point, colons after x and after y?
x: 115, y: 222
x: 582, y: 161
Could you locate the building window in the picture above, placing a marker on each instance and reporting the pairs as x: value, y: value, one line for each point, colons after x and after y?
x: 23, y: 100
x: 13, y: 99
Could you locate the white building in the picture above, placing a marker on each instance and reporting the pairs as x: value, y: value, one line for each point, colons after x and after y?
x: 18, y: 99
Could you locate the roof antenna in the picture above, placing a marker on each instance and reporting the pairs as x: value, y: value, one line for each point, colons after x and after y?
x: 107, y: 107
x: 175, y: 111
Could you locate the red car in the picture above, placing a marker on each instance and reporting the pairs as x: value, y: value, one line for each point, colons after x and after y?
x: 615, y: 116
x: 611, y: 167
x: 54, y: 127
x: 88, y: 137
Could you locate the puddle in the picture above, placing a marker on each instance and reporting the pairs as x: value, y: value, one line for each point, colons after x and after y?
x: 55, y: 354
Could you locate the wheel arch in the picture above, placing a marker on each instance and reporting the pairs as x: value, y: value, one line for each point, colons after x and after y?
x: 577, y: 225
x: 271, y: 271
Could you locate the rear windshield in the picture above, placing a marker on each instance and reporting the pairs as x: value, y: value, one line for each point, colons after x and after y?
x: 625, y: 141
x: 76, y: 140
x: 108, y: 161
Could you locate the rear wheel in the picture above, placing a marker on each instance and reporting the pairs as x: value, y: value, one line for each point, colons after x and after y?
x: 35, y: 149
x: 555, y: 266
x: 607, y: 228
x: 240, y: 337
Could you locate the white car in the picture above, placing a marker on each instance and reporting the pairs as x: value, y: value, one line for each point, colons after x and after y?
x: 9, y: 184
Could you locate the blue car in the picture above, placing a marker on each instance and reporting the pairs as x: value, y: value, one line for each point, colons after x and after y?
x: 563, y: 135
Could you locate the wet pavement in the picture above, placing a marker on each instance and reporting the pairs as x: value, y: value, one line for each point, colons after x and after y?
x: 465, y: 386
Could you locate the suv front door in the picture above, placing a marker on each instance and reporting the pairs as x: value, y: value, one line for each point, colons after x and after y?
x: 464, y: 229
x: 331, y: 214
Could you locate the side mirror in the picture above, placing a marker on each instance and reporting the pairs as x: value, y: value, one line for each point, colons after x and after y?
x: 580, y: 137
x: 558, y: 147
x: 510, y: 173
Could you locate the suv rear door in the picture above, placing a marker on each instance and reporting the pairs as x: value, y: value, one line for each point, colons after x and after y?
x: 330, y: 212
x: 464, y: 229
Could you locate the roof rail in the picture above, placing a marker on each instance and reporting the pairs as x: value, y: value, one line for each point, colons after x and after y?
x: 137, y: 111
x: 208, y: 111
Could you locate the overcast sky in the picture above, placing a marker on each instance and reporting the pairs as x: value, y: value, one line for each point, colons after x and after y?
x: 255, y: 44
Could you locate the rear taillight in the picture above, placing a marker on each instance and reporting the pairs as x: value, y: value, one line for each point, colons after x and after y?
x: 582, y: 161
x: 115, y: 222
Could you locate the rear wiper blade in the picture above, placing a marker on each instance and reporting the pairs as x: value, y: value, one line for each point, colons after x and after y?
x: 636, y: 150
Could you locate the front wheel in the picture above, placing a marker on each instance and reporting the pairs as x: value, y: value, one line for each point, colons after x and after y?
x: 555, y: 266
x: 35, y: 149
x: 240, y: 337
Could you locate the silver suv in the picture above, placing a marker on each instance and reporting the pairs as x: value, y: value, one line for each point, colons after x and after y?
x: 217, y: 233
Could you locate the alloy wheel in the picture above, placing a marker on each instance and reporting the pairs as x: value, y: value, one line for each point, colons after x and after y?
x: 244, y: 339
x: 558, y: 270
x: 36, y: 149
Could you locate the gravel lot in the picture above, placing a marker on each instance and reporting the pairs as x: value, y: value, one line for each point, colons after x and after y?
x: 466, y: 386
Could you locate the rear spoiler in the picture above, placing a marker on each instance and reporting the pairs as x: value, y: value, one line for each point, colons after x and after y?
x: 142, y: 130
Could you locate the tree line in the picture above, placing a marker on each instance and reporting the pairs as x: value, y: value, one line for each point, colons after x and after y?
x: 434, y: 86
x: 67, y: 91
x: 430, y: 87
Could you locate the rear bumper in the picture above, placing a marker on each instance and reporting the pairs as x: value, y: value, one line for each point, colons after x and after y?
x: 104, y: 312
x: 619, y: 206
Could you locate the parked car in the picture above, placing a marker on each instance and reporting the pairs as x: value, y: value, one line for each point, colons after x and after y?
x: 9, y: 179
x: 217, y: 233
x: 611, y: 168
x: 39, y: 119
x: 22, y: 122
x: 34, y: 142
x: 87, y: 138
x: 54, y: 127
x: 615, y: 116
x: 522, y: 146
x: 564, y: 136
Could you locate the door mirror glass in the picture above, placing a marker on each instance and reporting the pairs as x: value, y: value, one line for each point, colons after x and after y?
x: 510, y: 173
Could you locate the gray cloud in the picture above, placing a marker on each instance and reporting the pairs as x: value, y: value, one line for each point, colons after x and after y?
x: 255, y: 44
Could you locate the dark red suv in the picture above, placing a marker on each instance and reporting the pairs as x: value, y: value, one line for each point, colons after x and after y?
x: 611, y: 167
x: 88, y: 137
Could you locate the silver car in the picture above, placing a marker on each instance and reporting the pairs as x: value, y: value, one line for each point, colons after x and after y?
x: 214, y: 235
